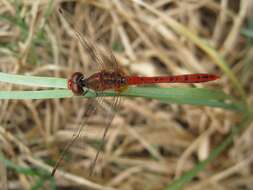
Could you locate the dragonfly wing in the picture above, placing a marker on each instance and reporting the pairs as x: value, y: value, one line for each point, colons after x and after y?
x: 101, y: 57
x: 89, y: 111
x: 115, y: 105
x: 86, y: 42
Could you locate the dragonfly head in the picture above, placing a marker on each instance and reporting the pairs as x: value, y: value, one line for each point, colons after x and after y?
x: 77, y: 83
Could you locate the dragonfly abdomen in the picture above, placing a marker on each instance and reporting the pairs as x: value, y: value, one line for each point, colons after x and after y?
x: 188, y: 78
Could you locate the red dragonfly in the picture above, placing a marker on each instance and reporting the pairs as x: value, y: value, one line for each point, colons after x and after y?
x: 112, y: 79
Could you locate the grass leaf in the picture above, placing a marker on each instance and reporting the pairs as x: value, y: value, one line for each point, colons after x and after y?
x: 34, y: 80
x: 188, y: 176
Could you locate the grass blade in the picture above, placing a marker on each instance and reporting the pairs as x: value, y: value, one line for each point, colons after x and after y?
x: 33, y: 80
x: 188, y: 176
x: 39, y: 94
x: 191, y: 96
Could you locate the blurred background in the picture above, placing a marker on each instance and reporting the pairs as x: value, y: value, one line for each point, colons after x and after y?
x: 150, y: 143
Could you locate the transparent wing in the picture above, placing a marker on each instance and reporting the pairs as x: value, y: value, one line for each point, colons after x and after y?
x: 90, y: 110
x: 98, y: 55
x: 109, y: 118
x: 102, y: 59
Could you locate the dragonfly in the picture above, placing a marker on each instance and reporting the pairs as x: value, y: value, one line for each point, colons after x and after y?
x: 111, y: 77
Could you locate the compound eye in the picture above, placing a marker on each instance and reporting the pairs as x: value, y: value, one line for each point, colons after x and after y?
x: 74, y: 83
x: 76, y: 77
x: 70, y: 84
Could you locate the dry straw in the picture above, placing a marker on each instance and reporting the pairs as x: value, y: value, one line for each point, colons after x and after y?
x: 170, y: 137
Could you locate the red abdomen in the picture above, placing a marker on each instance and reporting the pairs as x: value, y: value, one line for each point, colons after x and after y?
x: 188, y: 78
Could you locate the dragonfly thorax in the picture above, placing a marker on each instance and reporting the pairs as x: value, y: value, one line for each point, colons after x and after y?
x: 106, y: 80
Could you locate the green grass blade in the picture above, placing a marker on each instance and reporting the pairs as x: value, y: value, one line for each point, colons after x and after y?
x: 188, y: 176
x: 42, y: 175
x: 33, y: 80
x: 247, y: 32
x: 17, y: 20
x: 179, y: 92
x: 191, y: 96
x: 39, y: 94
x: 19, y: 169
x: 11, y: 165
x: 42, y: 181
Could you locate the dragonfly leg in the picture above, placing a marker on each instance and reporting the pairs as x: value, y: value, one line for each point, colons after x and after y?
x: 85, y: 92
x: 120, y: 89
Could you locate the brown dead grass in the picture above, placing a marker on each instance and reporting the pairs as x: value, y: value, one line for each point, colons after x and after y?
x: 150, y: 143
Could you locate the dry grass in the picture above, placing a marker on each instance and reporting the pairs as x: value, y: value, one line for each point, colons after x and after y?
x: 150, y: 143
